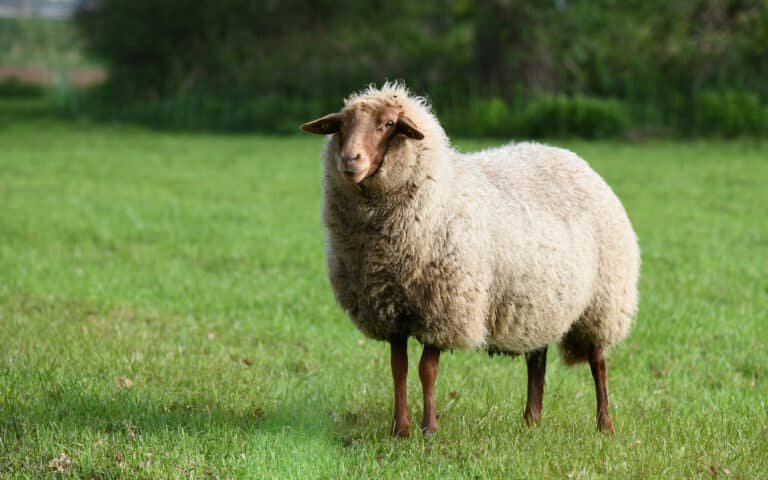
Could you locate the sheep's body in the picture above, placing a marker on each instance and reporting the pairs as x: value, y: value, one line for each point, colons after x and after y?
x: 507, y: 249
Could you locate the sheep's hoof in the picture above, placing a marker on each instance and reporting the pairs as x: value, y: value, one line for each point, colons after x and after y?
x: 401, y: 427
x: 604, y: 424
x: 532, y: 419
x: 428, y: 428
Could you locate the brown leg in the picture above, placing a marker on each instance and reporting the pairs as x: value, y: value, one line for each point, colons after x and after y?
x: 430, y: 360
x: 597, y: 365
x: 537, y: 365
x: 399, y: 362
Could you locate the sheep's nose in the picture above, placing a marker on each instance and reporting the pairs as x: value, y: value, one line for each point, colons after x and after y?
x: 349, y: 160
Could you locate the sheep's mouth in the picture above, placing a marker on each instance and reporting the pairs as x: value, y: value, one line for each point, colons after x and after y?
x: 354, y: 175
x: 359, y: 175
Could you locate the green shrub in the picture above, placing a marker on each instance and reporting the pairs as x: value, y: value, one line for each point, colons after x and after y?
x: 261, y: 64
x: 201, y: 112
x: 729, y: 114
x: 16, y: 89
x: 478, y: 117
x: 577, y: 116
x: 489, y: 117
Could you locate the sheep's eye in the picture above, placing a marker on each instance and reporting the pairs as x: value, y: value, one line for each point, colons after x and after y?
x: 389, y: 124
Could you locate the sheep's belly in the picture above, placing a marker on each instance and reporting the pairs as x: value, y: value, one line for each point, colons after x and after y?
x: 528, y: 313
x: 521, y: 328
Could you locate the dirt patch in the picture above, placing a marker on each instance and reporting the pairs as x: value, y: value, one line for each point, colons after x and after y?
x: 79, y: 77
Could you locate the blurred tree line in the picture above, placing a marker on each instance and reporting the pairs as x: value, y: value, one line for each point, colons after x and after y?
x: 492, y: 68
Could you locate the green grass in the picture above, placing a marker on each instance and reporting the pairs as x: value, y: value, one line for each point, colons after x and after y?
x: 164, y: 313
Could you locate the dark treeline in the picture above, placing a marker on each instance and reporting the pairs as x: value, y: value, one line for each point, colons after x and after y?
x: 498, y: 68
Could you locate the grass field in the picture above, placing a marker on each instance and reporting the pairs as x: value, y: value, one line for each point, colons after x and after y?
x: 164, y: 313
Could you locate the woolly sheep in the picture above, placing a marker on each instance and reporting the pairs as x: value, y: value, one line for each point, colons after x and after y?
x: 508, y: 249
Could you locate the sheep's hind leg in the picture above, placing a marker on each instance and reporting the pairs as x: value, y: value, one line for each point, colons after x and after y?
x: 399, y: 363
x: 537, y: 365
x: 430, y: 360
x: 597, y: 365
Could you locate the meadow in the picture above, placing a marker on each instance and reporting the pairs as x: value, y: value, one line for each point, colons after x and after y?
x: 164, y: 313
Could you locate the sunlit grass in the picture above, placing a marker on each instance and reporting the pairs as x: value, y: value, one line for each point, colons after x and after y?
x: 164, y: 313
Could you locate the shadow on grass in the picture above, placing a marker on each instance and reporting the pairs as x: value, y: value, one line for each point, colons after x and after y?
x: 94, y: 428
x: 133, y: 416
x: 72, y: 404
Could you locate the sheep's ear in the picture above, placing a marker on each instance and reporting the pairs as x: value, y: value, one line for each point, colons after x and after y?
x: 324, y: 125
x: 407, y: 128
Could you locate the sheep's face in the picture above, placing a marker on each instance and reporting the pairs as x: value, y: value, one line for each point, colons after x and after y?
x: 364, y: 132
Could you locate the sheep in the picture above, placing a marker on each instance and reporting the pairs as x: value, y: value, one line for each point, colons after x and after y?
x: 508, y: 249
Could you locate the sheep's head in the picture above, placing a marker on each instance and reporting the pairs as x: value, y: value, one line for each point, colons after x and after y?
x: 365, y: 132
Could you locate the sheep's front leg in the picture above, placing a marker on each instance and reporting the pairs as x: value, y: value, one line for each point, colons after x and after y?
x: 597, y: 365
x: 537, y: 365
x: 399, y: 362
x: 430, y: 360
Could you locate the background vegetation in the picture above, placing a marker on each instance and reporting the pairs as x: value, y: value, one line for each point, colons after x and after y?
x: 36, y: 42
x: 498, y: 68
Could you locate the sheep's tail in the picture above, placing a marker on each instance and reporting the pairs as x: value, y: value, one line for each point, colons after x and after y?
x: 574, y: 347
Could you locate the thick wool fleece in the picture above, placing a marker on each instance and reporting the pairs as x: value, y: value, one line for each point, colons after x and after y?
x: 507, y: 249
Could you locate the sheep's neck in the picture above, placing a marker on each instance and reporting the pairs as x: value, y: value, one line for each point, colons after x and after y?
x: 398, y: 211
